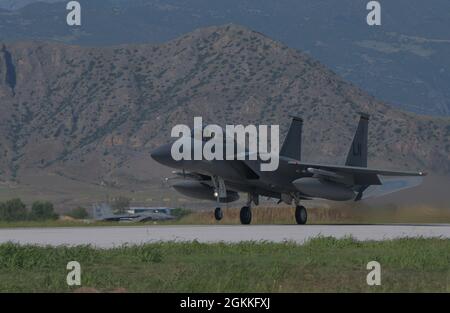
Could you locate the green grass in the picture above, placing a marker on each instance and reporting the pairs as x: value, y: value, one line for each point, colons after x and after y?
x: 322, y: 264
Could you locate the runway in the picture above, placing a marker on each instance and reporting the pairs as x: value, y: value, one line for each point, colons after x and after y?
x: 107, y: 237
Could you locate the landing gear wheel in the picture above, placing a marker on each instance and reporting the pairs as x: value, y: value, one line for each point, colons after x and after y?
x: 301, y: 216
x: 218, y: 214
x: 246, y: 215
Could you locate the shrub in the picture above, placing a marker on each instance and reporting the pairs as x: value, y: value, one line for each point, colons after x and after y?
x: 42, y: 210
x: 13, y: 210
x: 78, y: 213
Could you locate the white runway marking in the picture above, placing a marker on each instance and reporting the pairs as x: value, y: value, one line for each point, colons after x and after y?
x: 107, y: 237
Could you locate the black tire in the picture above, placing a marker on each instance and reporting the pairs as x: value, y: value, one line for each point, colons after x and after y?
x: 218, y: 214
x: 301, y: 216
x: 246, y: 215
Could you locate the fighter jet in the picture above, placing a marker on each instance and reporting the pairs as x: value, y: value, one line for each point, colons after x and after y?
x: 103, y: 212
x: 293, y: 181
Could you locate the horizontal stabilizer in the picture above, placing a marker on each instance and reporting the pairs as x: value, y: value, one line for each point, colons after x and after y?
x: 390, y: 185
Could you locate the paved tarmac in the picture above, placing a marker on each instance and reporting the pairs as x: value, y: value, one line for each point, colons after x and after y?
x: 107, y: 237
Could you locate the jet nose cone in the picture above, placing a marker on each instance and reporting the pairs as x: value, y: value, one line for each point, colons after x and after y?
x: 162, y: 154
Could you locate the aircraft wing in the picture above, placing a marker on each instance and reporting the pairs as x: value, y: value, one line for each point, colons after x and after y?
x: 369, y: 182
x: 356, y: 170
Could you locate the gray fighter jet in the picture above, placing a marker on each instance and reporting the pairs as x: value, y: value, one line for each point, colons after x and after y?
x: 103, y: 212
x: 293, y: 181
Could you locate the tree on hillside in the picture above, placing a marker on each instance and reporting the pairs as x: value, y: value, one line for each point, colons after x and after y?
x: 42, y: 210
x: 13, y: 210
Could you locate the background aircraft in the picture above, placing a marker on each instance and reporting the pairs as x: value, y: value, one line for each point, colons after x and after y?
x: 293, y: 181
x: 103, y: 212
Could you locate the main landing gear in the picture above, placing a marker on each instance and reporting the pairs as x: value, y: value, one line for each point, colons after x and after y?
x: 246, y: 212
x: 246, y: 215
x: 301, y: 216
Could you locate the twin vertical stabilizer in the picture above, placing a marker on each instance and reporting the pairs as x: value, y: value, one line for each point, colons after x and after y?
x: 292, y: 146
x: 357, y: 156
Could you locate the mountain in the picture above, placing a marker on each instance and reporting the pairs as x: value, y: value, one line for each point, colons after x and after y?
x: 405, y: 62
x: 91, y: 115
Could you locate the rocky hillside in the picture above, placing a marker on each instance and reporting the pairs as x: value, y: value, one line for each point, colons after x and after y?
x: 93, y: 114
x: 405, y: 62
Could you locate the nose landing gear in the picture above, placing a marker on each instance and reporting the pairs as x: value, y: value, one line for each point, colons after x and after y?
x: 218, y: 214
x: 220, y: 192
